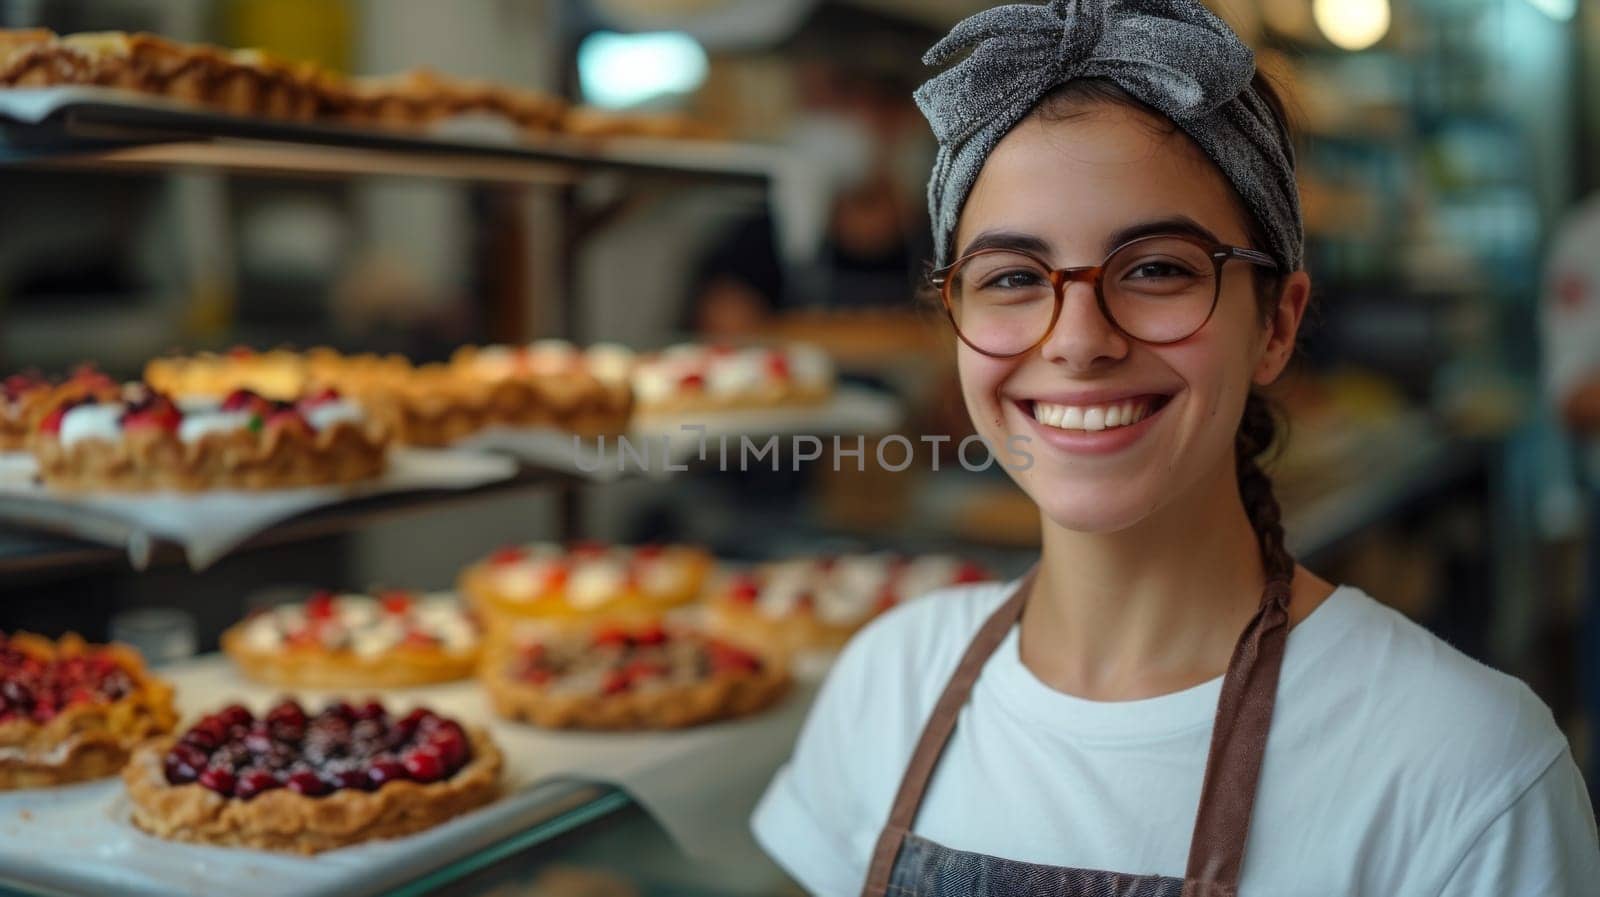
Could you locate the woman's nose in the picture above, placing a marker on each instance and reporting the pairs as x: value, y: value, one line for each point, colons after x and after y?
x: 1083, y: 338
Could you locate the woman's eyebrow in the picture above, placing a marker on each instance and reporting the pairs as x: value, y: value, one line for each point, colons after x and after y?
x: 1005, y: 239
x: 1177, y: 224
x: 1025, y: 242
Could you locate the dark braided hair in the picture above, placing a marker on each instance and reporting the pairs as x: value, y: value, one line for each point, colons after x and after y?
x: 1258, y: 427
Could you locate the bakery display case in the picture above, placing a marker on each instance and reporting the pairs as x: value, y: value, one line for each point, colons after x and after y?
x: 482, y: 781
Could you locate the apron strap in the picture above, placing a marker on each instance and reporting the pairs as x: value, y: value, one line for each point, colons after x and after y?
x: 936, y: 733
x: 1233, y: 764
x: 1238, y: 742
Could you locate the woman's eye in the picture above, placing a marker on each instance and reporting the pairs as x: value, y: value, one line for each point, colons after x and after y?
x: 1015, y: 279
x: 1159, y: 269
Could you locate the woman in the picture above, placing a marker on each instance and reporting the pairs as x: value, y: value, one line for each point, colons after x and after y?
x: 1167, y: 704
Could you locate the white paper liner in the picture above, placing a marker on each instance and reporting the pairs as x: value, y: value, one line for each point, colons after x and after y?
x: 701, y: 784
x: 208, y: 525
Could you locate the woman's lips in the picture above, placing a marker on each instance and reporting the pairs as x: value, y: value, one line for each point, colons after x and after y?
x: 1096, y: 429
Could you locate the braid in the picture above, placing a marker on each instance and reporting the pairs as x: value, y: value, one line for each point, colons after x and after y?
x: 1257, y: 431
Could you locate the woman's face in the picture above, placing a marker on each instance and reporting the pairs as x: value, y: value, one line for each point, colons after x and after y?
x: 1077, y: 189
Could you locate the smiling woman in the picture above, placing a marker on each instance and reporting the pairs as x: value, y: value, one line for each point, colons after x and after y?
x: 1119, y: 248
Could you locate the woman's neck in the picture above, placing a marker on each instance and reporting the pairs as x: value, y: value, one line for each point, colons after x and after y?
x: 1152, y: 609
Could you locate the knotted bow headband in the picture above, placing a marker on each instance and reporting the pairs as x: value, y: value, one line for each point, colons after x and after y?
x: 1172, y: 55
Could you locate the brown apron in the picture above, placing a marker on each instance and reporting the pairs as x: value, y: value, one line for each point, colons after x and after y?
x: 909, y: 866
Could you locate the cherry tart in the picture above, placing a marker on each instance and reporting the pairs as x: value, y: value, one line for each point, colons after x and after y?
x: 695, y: 377
x: 639, y: 677
x: 71, y: 711
x: 389, y: 640
x: 583, y: 583
x: 818, y: 603
x: 296, y: 782
x: 145, y: 440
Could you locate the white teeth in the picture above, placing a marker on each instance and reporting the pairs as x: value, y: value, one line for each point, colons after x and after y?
x: 1092, y: 418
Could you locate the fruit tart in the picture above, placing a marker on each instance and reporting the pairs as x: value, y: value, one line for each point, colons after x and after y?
x: 819, y: 603
x: 71, y: 711
x: 293, y: 781
x: 629, y: 677
x: 27, y: 397
x: 391, y: 640
x: 695, y: 377
x: 552, y: 383
x: 583, y: 583
x: 145, y: 440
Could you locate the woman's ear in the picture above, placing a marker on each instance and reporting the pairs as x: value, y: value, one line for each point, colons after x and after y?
x: 1283, y: 328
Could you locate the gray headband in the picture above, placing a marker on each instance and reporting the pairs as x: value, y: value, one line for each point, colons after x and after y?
x: 1172, y: 55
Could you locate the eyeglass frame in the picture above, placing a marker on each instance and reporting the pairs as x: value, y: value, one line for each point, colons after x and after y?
x: 1220, y: 254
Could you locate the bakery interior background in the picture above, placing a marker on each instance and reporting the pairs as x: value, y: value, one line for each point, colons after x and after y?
x: 1446, y: 146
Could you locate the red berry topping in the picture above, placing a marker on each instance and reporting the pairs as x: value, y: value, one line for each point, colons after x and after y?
x: 424, y: 764
x: 287, y: 712
x: 616, y: 682
x: 971, y: 572
x: 177, y: 772
x: 726, y: 658
x: 254, y: 781
x: 235, y: 715
x: 308, y: 783
x: 159, y: 415
x: 778, y: 366
x: 384, y: 771
x: 640, y: 670
x: 745, y: 590
x: 611, y: 637
x: 52, y: 422
x: 508, y: 555
x: 320, y: 606
x: 396, y: 602
x: 320, y: 397
x: 694, y: 382
x: 218, y: 779
x: 650, y: 635
x: 245, y: 400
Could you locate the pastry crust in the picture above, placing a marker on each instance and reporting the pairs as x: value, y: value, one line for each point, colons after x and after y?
x: 670, y: 703
x: 88, y: 740
x: 284, y: 820
x: 276, y: 458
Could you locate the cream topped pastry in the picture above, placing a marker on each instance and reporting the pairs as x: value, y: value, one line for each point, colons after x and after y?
x: 365, y: 625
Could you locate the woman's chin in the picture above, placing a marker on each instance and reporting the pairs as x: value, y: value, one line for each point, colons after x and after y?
x: 1090, y: 508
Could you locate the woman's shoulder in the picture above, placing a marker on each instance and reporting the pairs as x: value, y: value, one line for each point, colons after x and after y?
x: 1366, y: 669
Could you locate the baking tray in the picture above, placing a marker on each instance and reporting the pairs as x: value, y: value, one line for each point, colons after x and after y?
x: 41, y: 123
x: 700, y: 784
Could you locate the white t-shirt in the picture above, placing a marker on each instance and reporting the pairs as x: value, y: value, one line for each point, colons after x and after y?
x: 1570, y: 312
x: 1395, y: 765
